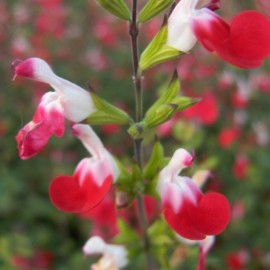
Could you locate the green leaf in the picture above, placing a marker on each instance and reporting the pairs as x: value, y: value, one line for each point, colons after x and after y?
x: 169, y: 93
x: 126, y: 234
x: 162, y: 114
x: 107, y: 113
x: 157, y: 51
x: 152, y: 166
x: 184, y: 102
x: 153, y: 8
x: 116, y: 7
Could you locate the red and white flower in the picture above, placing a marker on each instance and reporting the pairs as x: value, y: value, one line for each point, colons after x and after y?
x: 114, y: 257
x: 180, y: 32
x: 186, y: 209
x: 245, y: 42
x: 67, y: 101
x: 92, y: 178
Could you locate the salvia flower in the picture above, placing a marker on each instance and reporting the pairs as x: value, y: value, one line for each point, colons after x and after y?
x: 245, y: 42
x: 180, y: 32
x: 114, y: 257
x: 91, y: 180
x: 67, y: 101
x: 186, y: 209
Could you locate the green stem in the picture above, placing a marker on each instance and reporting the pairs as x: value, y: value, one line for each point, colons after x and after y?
x: 137, y: 81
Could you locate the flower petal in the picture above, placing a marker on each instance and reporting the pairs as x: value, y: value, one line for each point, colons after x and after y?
x: 32, y: 138
x: 181, y: 222
x: 210, y: 30
x: 95, y: 177
x: 66, y: 194
x: 212, y: 214
x: 245, y: 43
x: 250, y: 36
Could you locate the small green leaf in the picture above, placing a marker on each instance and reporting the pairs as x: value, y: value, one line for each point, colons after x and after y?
x: 157, y: 51
x: 107, y: 113
x: 169, y: 93
x: 153, y: 8
x: 163, y: 113
x: 184, y: 102
x: 116, y: 7
x: 153, y: 48
x: 152, y: 166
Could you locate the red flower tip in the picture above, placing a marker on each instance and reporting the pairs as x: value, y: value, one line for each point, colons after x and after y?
x: 189, y: 159
x: 22, y: 68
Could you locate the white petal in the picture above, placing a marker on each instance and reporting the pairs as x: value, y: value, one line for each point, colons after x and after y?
x: 180, y: 35
x: 119, y: 253
x: 76, y: 101
x: 207, y: 243
x: 94, y: 145
x: 94, y: 245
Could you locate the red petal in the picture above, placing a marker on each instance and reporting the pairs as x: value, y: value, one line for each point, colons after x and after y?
x: 250, y: 36
x: 210, y: 29
x: 23, y: 68
x: 181, y: 222
x: 32, y: 138
x: 244, y: 44
x: 94, y: 193
x: 53, y: 117
x: 212, y: 214
x: 66, y: 194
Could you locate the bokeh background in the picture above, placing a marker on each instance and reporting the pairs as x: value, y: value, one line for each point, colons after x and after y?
x: 229, y: 131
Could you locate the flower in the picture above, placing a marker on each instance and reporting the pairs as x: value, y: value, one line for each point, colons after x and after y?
x: 245, y: 42
x: 180, y: 32
x: 68, y: 101
x: 113, y: 257
x: 186, y: 209
x: 228, y: 136
x: 91, y: 180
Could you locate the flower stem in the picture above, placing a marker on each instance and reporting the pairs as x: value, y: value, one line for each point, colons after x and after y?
x: 137, y: 81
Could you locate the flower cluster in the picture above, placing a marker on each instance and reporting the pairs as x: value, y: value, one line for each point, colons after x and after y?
x: 194, y: 216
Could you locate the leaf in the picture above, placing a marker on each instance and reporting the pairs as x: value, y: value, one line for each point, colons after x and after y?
x: 169, y: 93
x: 152, y: 166
x: 157, y: 51
x: 116, y: 7
x: 153, y: 8
x: 107, y: 113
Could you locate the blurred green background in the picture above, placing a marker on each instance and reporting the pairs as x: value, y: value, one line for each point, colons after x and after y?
x: 229, y: 131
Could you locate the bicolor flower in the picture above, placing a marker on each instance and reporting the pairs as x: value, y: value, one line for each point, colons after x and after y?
x: 67, y: 101
x: 188, y: 211
x: 199, y: 178
x: 245, y: 42
x: 114, y: 257
x: 91, y: 180
x: 180, y: 32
